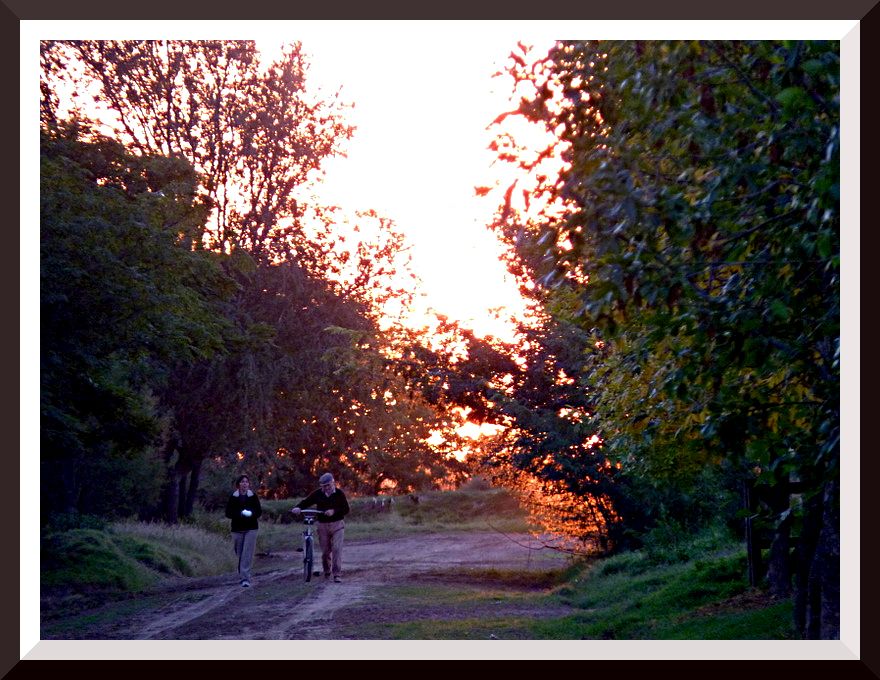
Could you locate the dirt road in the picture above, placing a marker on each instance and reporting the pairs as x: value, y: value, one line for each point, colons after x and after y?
x: 420, y: 578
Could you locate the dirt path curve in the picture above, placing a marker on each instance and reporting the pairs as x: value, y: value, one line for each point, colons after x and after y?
x: 281, y: 606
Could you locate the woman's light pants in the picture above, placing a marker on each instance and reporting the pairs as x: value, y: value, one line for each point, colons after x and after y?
x: 245, y: 543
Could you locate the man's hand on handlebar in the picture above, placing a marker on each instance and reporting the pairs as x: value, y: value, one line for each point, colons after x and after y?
x: 310, y: 512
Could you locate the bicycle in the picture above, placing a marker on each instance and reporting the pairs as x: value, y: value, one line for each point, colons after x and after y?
x: 308, y: 548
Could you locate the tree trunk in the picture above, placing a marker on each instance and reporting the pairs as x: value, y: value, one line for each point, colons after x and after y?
x: 823, y: 616
x: 171, y: 456
x: 779, y: 560
x: 778, y: 564
x: 181, y: 493
x: 753, y: 545
x: 172, y: 496
x: 806, y: 550
x: 192, y: 491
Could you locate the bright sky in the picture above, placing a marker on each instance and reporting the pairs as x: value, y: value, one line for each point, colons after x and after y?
x: 421, y: 112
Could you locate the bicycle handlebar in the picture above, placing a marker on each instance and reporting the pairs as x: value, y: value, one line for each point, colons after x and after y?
x: 308, y: 512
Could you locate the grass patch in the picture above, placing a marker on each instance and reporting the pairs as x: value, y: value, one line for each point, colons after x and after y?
x: 438, y: 594
x: 487, y: 600
x: 129, y: 557
x: 179, y: 550
x: 464, y: 509
x: 504, y: 578
x: 636, y: 596
x: 469, y: 509
x: 84, y: 617
x: 91, y: 559
x: 772, y: 622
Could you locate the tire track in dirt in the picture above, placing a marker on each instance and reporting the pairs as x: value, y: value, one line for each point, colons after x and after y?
x: 182, y: 611
x: 311, y: 621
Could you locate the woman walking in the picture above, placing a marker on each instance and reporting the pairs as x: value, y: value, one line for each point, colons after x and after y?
x: 243, y: 508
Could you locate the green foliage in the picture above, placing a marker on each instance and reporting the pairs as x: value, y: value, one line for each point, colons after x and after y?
x: 66, y: 521
x: 696, y: 222
x: 120, y: 487
x: 121, y: 301
x: 705, y: 216
x: 671, y: 541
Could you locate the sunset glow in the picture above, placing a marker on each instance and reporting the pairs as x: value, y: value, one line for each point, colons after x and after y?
x: 420, y: 149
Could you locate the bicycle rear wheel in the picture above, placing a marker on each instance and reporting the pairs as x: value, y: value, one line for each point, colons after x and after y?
x: 308, y: 559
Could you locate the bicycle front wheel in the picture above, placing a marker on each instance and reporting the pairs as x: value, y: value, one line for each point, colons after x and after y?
x: 308, y: 559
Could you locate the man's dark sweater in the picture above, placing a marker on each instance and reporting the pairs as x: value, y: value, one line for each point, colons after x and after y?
x: 336, y: 502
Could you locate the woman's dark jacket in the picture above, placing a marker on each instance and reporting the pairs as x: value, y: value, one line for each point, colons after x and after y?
x: 236, y: 504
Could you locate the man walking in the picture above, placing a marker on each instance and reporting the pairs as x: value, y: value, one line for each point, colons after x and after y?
x: 331, y: 527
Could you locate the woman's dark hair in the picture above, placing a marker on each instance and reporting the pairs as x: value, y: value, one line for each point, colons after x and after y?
x: 238, y: 481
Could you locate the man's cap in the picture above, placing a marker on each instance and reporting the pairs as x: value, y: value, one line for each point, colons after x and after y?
x: 326, y: 478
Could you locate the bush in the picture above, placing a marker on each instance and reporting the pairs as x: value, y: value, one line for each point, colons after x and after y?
x: 672, y: 542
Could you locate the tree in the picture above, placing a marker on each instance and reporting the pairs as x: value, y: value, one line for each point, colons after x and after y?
x: 303, y: 380
x: 255, y: 136
x: 121, y: 300
x: 699, y: 225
